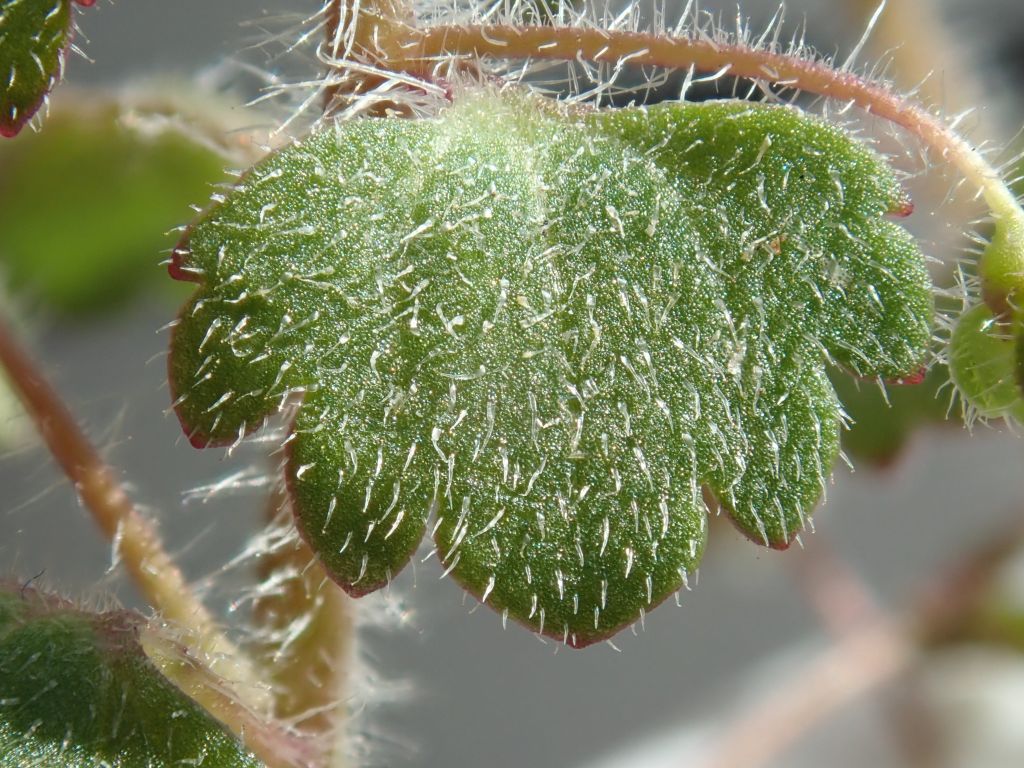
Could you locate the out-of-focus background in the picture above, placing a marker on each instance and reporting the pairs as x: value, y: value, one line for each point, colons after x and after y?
x: 445, y: 684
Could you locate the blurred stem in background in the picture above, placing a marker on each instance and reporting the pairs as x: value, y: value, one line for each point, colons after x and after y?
x: 136, y: 542
x: 307, y: 635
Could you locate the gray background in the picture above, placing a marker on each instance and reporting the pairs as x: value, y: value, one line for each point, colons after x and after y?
x: 468, y: 693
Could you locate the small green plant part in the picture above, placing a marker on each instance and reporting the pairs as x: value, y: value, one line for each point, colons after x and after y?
x: 34, y: 38
x: 983, y: 364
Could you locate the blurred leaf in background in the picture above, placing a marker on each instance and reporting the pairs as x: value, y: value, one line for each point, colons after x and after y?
x: 883, y: 421
x: 87, y: 206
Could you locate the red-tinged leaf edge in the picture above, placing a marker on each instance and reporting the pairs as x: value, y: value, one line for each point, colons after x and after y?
x: 11, y: 126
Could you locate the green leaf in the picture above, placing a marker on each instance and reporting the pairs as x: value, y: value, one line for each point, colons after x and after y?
x: 86, y: 206
x: 549, y: 330
x: 77, y: 691
x: 34, y: 36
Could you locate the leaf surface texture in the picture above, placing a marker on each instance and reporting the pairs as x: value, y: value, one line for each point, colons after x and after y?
x: 540, y: 334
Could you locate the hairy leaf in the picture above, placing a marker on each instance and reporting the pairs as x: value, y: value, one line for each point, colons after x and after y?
x: 549, y: 330
x: 34, y: 35
x: 77, y: 691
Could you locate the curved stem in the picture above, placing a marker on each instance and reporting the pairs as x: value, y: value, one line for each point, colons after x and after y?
x: 1003, y: 263
x: 135, y: 539
x: 932, y: 61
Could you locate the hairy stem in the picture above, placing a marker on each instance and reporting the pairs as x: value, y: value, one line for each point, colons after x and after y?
x: 135, y: 539
x: 932, y: 62
x: 372, y: 28
x: 361, y: 38
x: 309, y: 626
x: 1002, y: 265
x: 271, y: 742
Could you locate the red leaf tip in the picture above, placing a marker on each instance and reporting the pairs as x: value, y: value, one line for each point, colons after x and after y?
x: 908, y: 381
